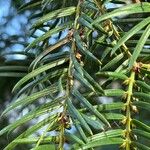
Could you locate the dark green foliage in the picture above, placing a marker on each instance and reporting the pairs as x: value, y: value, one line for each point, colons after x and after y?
x: 68, y: 88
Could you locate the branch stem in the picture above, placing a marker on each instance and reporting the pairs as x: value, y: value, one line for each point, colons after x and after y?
x: 110, y: 27
x: 128, y: 110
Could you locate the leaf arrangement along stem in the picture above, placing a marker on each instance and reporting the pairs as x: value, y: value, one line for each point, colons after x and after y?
x: 70, y: 81
x: 74, y: 79
x: 128, y: 111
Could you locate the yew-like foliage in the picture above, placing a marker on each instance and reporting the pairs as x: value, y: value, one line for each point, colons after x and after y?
x: 91, y: 85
